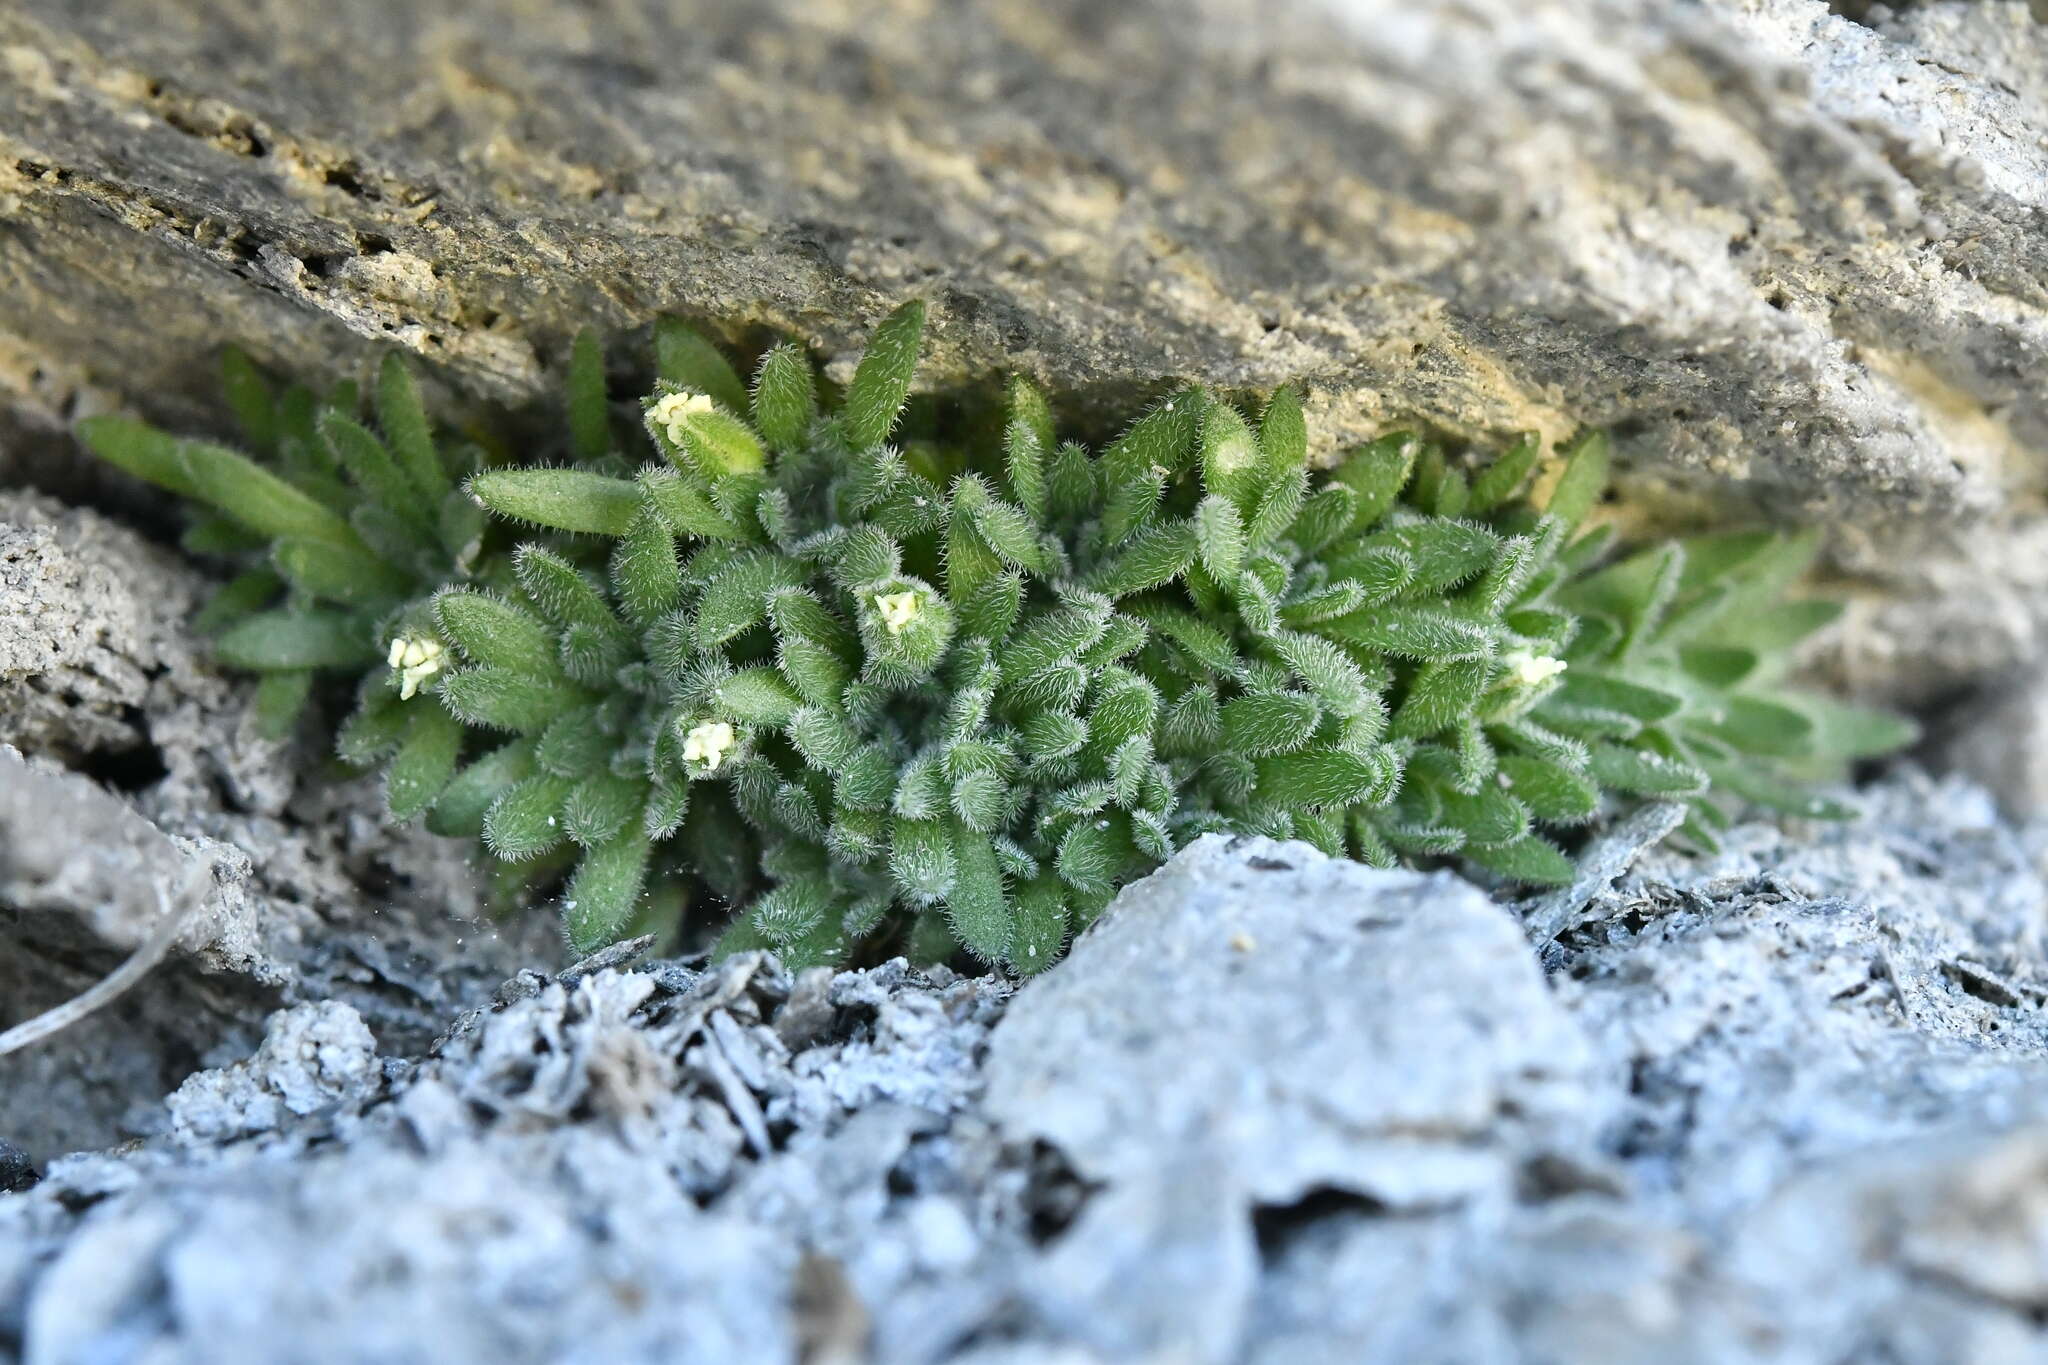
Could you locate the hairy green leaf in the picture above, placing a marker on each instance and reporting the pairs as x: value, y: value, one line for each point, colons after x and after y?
x: 501, y: 698
x: 490, y: 630
x: 404, y: 421
x: 344, y: 573
x: 601, y: 898
x: 977, y: 907
x: 562, y: 499
x: 590, y: 422
x: 250, y: 399
x: 1269, y: 723
x: 785, y: 397
x: 1530, y: 859
x: 424, y: 764
x: 1584, y: 479
x: 1327, y: 777
x: 525, y: 819
x: 882, y: 379
x: 1411, y: 633
x: 291, y: 640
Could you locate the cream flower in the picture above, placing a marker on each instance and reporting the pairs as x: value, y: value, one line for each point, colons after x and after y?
x: 1529, y: 668
x: 417, y: 659
x: 672, y: 412
x: 899, y: 609
x: 708, y: 744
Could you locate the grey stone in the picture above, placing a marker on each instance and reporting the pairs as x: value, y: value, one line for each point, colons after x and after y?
x: 121, y: 883
x: 294, y: 891
x: 70, y: 910
x: 17, y: 1172
x: 1797, y: 998
x: 1611, y: 853
x: 1577, y: 1279
x: 1778, y: 1106
x: 312, y: 1056
x: 89, y: 613
x: 1302, y: 1023
x: 1999, y: 735
x: 1794, y: 260
x: 1947, y: 1232
x: 524, y: 1193
x: 464, y: 1259
x: 1160, y: 1266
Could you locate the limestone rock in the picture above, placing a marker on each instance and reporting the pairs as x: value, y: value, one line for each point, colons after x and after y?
x: 1292, y: 1024
x: 312, y: 1056
x: 1792, y: 259
x: 1999, y: 735
x: 83, y: 627
x: 1947, y: 1230
x: 295, y: 890
x: 1778, y: 1108
x: 531, y: 1191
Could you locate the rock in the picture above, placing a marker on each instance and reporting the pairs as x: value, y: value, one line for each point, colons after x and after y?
x: 1948, y: 1231
x: 1802, y: 997
x: 1570, y: 1279
x: 1160, y: 1266
x: 534, y: 1190
x: 467, y: 1251
x: 70, y: 910
x: 119, y: 885
x: 312, y: 1056
x: 89, y: 615
x: 17, y: 1172
x: 1286, y: 1024
x: 1999, y: 735
x: 1793, y: 260
x: 1780, y: 1106
x: 1609, y: 854
x: 295, y: 892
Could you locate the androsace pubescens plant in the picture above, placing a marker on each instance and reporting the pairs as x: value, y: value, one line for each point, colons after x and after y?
x: 959, y: 691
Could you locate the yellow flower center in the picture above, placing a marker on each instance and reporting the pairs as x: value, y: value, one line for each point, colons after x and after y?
x: 1529, y: 669
x: 417, y: 658
x: 672, y: 412
x: 708, y: 744
x: 898, y: 609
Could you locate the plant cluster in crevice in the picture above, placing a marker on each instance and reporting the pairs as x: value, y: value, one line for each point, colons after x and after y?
x: 768, y: 650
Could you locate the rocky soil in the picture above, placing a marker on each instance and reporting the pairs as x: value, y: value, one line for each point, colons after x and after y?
x: 1782, y: 1105
x: 1786, y: 1104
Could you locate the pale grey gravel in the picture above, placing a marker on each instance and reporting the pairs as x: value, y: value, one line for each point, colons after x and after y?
x: 1785, y: 1104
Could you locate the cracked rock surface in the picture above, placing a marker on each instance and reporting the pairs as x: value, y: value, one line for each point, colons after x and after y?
x: 1794, y: 259
x: 1783, y: 1105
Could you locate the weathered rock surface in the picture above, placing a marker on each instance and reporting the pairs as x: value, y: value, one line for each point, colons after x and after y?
x: 293, y: 892
x: 1999, y: 735
x: 1784, y: 1106
x: 1138, y: 1047
x: 1791, y: 258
